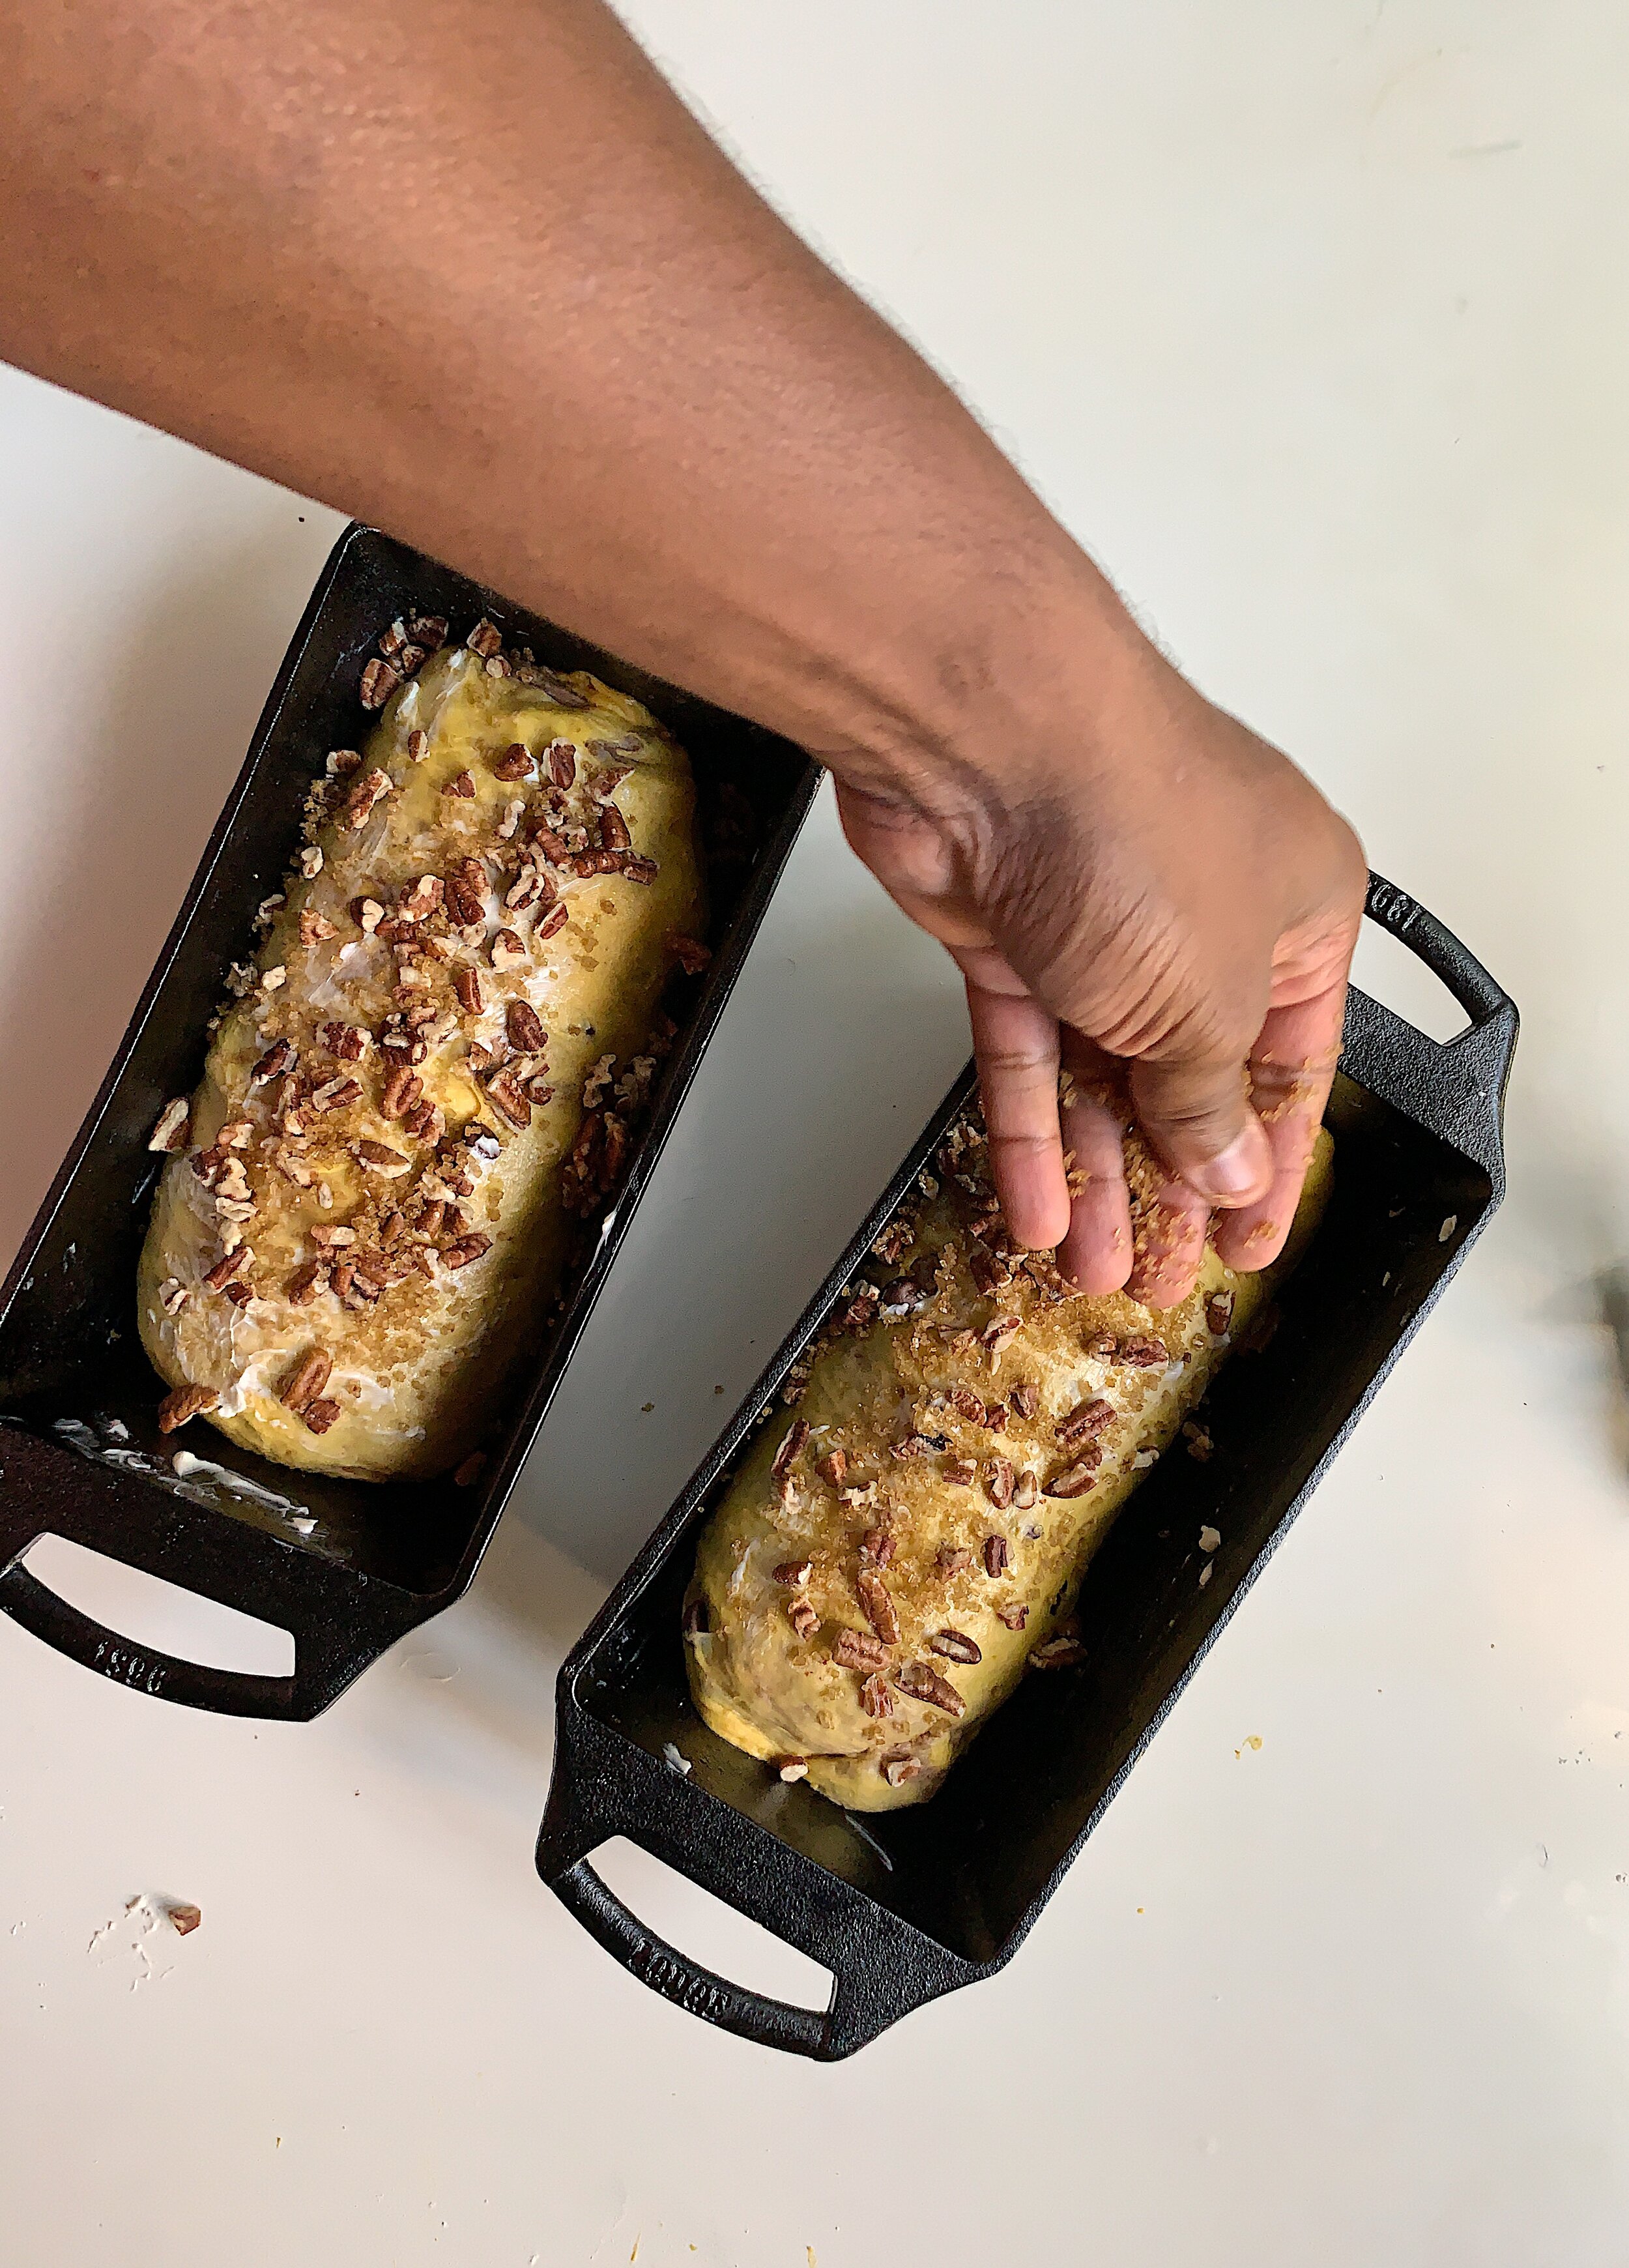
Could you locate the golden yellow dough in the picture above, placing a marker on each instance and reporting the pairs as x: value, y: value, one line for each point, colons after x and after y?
x: 417, y: 1369
x: 926, y: 1538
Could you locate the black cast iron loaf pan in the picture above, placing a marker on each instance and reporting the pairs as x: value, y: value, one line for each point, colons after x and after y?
x: 901, y: 1906
x: 347, y: 1566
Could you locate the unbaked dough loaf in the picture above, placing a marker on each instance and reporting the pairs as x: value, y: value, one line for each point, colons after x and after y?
x: 434, y: 1064
x: 898, y: 1548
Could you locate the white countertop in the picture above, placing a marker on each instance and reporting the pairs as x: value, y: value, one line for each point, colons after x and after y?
x: 1311, y: 321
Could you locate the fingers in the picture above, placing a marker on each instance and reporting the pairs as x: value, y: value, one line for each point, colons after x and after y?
x: 1292, y: 1068
x: 1016, y: 1041
x: 1170, y: 1249
x: 1197, y: 1114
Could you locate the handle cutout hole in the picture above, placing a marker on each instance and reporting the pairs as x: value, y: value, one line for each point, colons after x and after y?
x: 698, y: 1924
x: 1383, y: 967
x: 157, y: 1615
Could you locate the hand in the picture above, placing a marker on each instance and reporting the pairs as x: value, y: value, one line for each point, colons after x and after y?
x: 1144, y: 894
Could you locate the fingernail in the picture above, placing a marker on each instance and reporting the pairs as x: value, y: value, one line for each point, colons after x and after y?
x: 1239, y: 1174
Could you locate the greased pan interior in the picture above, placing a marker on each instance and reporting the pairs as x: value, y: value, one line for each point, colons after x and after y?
x: 903, y: 1905
x: 347, y: 1566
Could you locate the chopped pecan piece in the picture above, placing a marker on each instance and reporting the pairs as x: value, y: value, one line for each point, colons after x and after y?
x: 549, y: 926
x: 1024, y: 1400
x: 424, y: 1121
x: 792, y: 1768
x: 428, y: 630
x: 183, y: 1402
x: 348, y: 1041
x: 1101, y: 1346
x: 402, y: 1090
x: 174, y: 1123
x: 791, y: 1443
x: 466, y: 985
x: 794, y: 1572
x: 1000, y: 1481
x: 857, y: 1649
x: 514, y: 763
x: 419, y: 900
x: 562, y: 762
x: 306, y: 1281
x: 525, y: 1028
x: 307, y: 1380
x: 485, y: 640
x: 510, y: 1099
x: 952, y: 1558
x: 695, y: 1621
x: 321, y: 1414
x: 240, y: 1295
x: 961, y: 1472
x: 276, y: 1060
x: 1218, y: 1313
x: 877, y: 1606
x: 967, y: 1404
x: 692, y: 956
x: 876, y: 1546
x: 1014, y: 1615
x: 897, y: 1769
x: 1142, y: 1353
x: 464, y: 893
x: 468, y: 1248
x: 463, y: 787
x: 379, y: 1158
x: 1075, y: 1479
x: 803, y: 1617
x: 955, y: 1646
x: 902, y: 1297
x: 832, y: 1467
x: 923, y: 1682
x: 1056, y: 1654
x: 224, y: 1270
x: 367, y: 913
x: 875, y: 1699
x: 379, y: 680
x: 314, y: 927
x: 418, y: 745
x: 997, y: 1555
x: 915, y: 1445
x: 506, y: 950
x: 613, y: 833
x: 365, y: 793
x: 1086, y: 1420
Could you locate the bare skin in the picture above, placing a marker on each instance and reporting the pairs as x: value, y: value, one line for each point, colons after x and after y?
x: 470, y: 271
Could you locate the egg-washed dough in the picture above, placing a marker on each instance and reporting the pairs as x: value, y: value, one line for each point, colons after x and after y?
x: 915, y: 1538
x: 416, y: 1371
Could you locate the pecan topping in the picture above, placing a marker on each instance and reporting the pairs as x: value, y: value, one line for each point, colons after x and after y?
x: 367, y: 913
x: 876, y: 1605
x: 402, y: 1090
x: 348, y: 1041
x: 794, y: 1572
x: 510, y: 1099
x: 875, y: 1699
x: 310, y: 862
x: 793, y: 1440
x: 613, y: 829
x: 857, y: 1649
x: 1086, y: 1420
x: 1218, y: 1313
x: 525, y: 1028
x: 424, y: 1121
x: 418, y: 745
x: 379, y: 680
x: 174, y: 1123
x: 692, y: 956
x: 464, y: 890
x: 224, y: 1270
x: 902, y: 1297
x: 791, y: 1767
x: 307, y: 1380
x: 924, y: 1683
x: 1143, y: 1353
x: 314, y: 927
x: 321, y: 1415
x: 961, y: 1472
x: 896, y: 1770
x: 1014, y: 1617
x: 952, y: 1558
x: 468, y: 1248
x: 1101, y: 1346
x: 1075, y: 1479
x: 1024, y: 1400
x: 306, y: 1281
x: 367, y: 791
x: 428, y: 630
x: 240, y: 1295
x: 419, y: 902
x: 995, y: 1417
x: 336, y: 1094
x: 997, y: 1555
x: 273, y: 1063
x: 514, y: 763
x: 183, y: 1402
x: 832, y: 1467
x: 878, y: 1546
x: 802, y: 1618
x: 695, y: 1619
x: 562, y: 762
x: 1000, y: 1482
x: 967, y: 1404
x: 379, y: 1158
x: 1056, y: 1654
x: 485, y: 640
x: 549, y: 926
x: 329, y: 1240
x: 463, y: 787
x: 955, y: 1646
x: 506, y: 950
x: 915, y: 1445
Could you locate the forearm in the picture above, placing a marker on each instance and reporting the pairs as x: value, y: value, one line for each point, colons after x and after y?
x: 470, y: 270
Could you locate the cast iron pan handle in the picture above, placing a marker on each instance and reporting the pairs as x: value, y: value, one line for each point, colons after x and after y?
x: 752, y: 2015
x: 48, y: 1617
x: 1428, y: 940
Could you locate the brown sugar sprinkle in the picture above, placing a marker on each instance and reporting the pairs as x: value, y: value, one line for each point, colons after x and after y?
x: 857, y: 1649
x: 794, y: 1572
x: 896, y: 1770
x: 832, y: 1467
x: 525, y: 1028
x: 1056, y: 1654
x: 1086, y: 1420
x: 185, y: 1402
x: 485, y: 640
x: 307, y: 1380
x: 803, y: 1617
x: 692, y: 956
x: 562, y: 762
x: 1014, y: 1617
x: 1000, y: 1481
x: 346, y: 1040
x: 952, y: 1557
x: 955, y: 1646
x: 514, y: 763
x: 306, y: 1281
x: 321, y: 1414
x: 961, y: 1472
x: 792, y: 1442
x: 1142, y: 1353
x: 922, y: 1682
x: 224, y: 1270
x: 276, y: 1060
x: 468, y: 1248
x: 875, y: 1699
x: 997, y: 1555
x: 466, y: 985
x: 1076, y: 1479
x: 1218, y: 1313
x: 967, y: 1404
x: 379, y: 680
x: 1024, y: 1401
x: 877, y: 1606
x: 470, y: 1471
x: 463, y: 787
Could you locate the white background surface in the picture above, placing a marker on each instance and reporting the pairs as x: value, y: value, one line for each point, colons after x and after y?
x: 1310, y: 318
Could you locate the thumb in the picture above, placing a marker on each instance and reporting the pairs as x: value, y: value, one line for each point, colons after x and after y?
x: 1195, y: 1112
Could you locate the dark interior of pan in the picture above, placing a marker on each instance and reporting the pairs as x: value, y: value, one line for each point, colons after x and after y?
x: 346, y: 1565
x: 906, y: 1903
